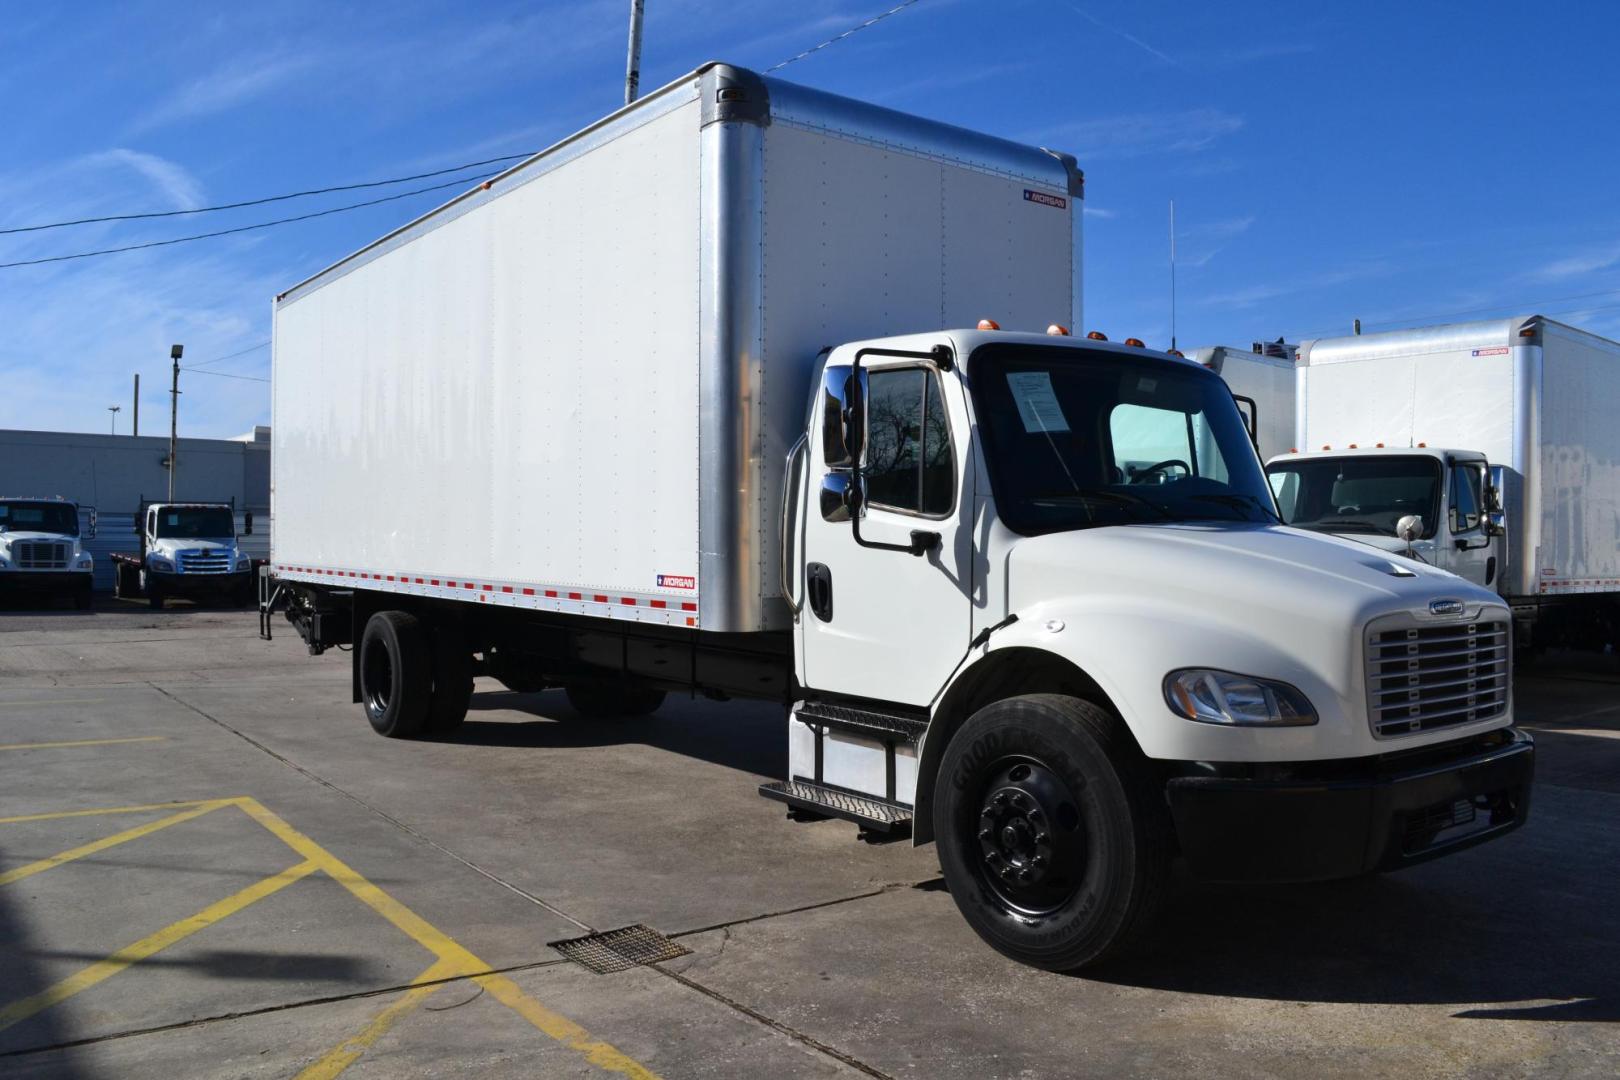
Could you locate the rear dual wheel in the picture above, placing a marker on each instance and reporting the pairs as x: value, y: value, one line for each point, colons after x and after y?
x: 413, y: 680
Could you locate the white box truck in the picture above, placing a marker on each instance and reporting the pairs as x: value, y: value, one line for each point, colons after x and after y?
x: 1498, y: 436
x: 678, y: 405
x: 1262, y: 379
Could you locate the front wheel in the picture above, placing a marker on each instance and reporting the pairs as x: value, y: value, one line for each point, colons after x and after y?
x: 1050, y: 839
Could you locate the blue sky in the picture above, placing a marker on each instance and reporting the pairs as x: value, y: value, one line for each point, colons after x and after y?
x: 1401, y: 163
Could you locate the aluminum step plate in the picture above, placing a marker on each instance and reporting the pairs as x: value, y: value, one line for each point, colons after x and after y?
x: 883, y: 725
x: 867, y: 812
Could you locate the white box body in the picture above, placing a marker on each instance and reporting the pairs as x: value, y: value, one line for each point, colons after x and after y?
x: 574, y: 390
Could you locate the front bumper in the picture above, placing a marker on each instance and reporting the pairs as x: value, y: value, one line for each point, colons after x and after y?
x: 187, y: 586
x: 45, y: 581
x: 1324, y: 820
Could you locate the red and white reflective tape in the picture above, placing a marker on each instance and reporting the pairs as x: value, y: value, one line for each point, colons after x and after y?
x: 1580, y: 585
x: 572, y: 599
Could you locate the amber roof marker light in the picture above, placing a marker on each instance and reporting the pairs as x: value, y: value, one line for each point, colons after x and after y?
x: 989, y: 324
x: 1096, y: 335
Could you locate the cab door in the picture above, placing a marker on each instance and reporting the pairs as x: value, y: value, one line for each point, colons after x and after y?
x: 1472, y: 553
x: 878, y: 621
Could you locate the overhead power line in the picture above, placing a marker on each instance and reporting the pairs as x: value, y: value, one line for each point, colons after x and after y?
x: 227, y: 375
x: 261, y: 202
x: 243, y: 228
x: 227, y: 356
x: 840, y: 37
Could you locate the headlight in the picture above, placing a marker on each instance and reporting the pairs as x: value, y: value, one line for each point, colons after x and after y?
x: 158, y: 562
x: 1221, y: 697
x: 85, y: 563
x: 244, y: 564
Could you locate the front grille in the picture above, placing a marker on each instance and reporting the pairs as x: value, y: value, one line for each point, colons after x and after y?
x: 205, y: 561
x: 1423, y: 678
x: 39, y: 555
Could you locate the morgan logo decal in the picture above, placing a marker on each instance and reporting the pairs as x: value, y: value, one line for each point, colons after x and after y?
x: 676, y: 581
x: 1445, y: 607
x: 1490, y: 352
x: 1041, y: 197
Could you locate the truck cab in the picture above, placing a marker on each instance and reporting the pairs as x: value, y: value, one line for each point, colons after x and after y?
x: 1436, y: 506
x: 190, y: 551
x: 42, y: 551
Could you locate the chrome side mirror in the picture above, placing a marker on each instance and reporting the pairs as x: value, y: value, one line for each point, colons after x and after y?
x: 1409, y: 528
x: 841, y: 496
x: 843, y: 417
x: 247, y: 523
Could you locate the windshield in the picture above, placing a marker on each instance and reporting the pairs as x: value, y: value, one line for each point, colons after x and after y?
x: 195, y: 523
x: 47, y: 517
x: 1357, y: 494
x: 1081, y: 438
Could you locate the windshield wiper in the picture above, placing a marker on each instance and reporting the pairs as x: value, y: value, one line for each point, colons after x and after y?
x: 1237, y: 501
x: 1127, y: 498
x: 1352, y: 524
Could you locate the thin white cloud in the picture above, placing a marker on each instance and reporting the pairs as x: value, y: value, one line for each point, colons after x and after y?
x: 1258, y: 54
x: 1139, y: 134
x: 168, y: 177
x: 1252, y: 295
x: 1101, y: 213
x: 1588, y: 262
x: 236, y: 83
x: 1132, y: 38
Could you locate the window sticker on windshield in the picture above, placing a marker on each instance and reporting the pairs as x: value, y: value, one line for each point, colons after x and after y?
x: 1037, y: 404
x: 1146, y: 386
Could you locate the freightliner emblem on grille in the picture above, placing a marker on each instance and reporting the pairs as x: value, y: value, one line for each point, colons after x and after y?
x: 1445, y: 607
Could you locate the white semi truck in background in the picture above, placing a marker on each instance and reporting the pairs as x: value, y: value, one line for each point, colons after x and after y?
x: 679, y: 405
x: 188, y: 550
x: 42, y: 551
x: 1499, y: 437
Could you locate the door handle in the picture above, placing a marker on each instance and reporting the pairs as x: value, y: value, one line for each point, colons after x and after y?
x: 818, y: 590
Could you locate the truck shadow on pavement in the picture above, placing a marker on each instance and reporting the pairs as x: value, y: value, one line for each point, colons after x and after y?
x: 1479, y: 938
x: 718, y: 734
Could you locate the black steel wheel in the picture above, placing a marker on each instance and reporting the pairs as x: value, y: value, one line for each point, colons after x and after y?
x: 1050, y: 837
x: 396, y: 682
x: 609, y: 700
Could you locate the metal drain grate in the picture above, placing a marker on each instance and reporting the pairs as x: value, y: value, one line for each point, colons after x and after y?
x: 620, y: 950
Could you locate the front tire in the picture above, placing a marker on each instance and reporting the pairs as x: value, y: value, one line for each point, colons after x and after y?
x: 396, y: 681
x: 1050, y: 838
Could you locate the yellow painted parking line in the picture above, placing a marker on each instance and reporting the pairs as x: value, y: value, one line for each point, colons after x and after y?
x: 101, y: 970
x: 348, y: 1052
x: 458, y: 960
x: 80, y: 742
x: 59, y: 701
x: 111, y: 841
x: 59, y: 814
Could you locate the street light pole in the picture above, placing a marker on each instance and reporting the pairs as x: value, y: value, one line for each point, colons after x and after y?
x: 175, y: 353
x: 632, y: 65
x: 114, y: 410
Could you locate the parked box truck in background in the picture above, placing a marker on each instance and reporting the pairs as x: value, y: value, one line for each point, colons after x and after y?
x: 679, y: 405
x: 1264, y: 375
x: 1499, y: 435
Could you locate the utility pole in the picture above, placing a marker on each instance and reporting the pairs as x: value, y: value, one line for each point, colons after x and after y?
x: 1172, y: 273
x: 114, y: 410
x: 137, y: 405
x: 175, y: 352
x: 632, y: 67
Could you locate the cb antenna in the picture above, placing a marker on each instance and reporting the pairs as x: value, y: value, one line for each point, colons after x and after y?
x: 1172, y: 273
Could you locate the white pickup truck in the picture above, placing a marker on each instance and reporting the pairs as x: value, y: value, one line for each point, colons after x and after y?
x: 188, y: 551
x: 633, y: 417
x: 41, y: 550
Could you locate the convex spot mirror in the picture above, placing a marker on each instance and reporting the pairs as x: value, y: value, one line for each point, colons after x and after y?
x: 1409, y: 528
x: 841, y: 496
x: 843, y: 417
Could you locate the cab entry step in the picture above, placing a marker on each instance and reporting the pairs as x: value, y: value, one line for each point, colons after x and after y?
x: 868, y: 813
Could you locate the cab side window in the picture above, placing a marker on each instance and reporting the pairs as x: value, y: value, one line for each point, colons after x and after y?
x: 1466, y: 499
x: 909, y: 466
